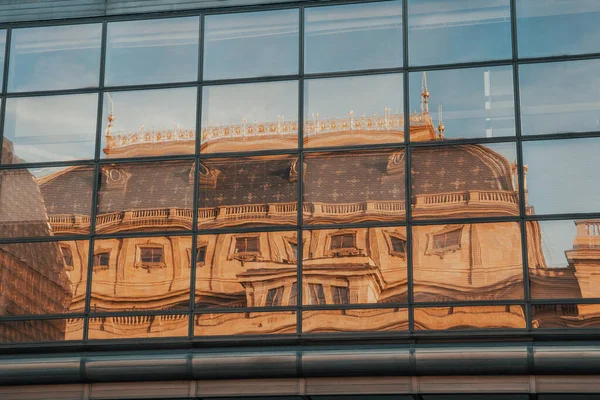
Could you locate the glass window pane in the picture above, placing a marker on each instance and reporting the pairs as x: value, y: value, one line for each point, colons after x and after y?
x: 561, y: 177
x: 55, y: 57
x: 236, y: 118
x: 331, y: 267
x: 145, y: 196
x: 43, y: 277
x: 138, y: 326
x: 45, y: 330
x: 472, y: 262
x: 252, y: 269
x: 468, y: 180
x: 53, y: 128
x: 251, y: 44
x: 485, y: 396
x: 353, y: 37
x: 32, y: 201
x: 353, y: 111
x: 2, y: 52
x: 364, y: 320
x: 474, y: 102
x: 560, y: 97
x: 575, y: 316
x: 149, y: 123
x: 557, y: 27
x: 253, y: 323
x: 445, y: 32
x: 248, y: 191
x: 152, y: 51
x: 129, y: 281
x: 564, y: 257
x: 354, y: 187
x: 470, y: 317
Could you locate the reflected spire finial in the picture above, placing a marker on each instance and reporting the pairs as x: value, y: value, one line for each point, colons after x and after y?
x: 111, y: 116
x: 424, y: 95
x: 441, y: 126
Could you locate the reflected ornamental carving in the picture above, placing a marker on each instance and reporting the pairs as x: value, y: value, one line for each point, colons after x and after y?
x: 114, y: 177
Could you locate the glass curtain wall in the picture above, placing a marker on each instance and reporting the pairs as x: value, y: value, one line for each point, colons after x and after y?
x: 395, y: 168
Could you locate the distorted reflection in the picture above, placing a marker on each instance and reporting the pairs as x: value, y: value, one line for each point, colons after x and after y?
x: 560, y: 97
x: 141, y: 273
x: 470, y: 317
x: 149, y: 123
x: 373, y: 320
x: 54, y: 57
x: 564, y: 259
x: 255, y: 269
x: 248, y: 323
x: 353, y: 37
x: 53, y: 128
x: 43, y: 277
x: 574, y: 316
x: 249, y: 191
x: 44, y: 330
x: 467, y: 262
x: 445, y: 32
x: 354, y: 266
x: 152, y: 51
x: 462, y: 181
x: 32, y: 201
x: 556, y: 27
x: 474, y: 102
x: 562, y: 175
x: 251, y: 44
x: 252, y: 116
x: 145, y: 196
x: 138, y: 326
x: 353, y: 111
x: 354, y: 186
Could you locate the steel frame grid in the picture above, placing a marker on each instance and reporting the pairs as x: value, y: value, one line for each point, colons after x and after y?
x: 300, y: 77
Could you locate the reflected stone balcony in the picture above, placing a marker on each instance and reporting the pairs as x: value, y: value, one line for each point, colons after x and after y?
x: 588, y: 234
x: 467, y: 203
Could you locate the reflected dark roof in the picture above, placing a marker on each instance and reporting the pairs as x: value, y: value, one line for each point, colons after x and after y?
x: 329, y: 177
x: 458, y: 168
x: 69, y: 191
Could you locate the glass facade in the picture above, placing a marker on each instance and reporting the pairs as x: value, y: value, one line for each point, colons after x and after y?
x: 400, y: 168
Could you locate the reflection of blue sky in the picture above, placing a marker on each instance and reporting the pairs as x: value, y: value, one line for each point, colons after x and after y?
x: 563, y: 175
x: 256, y: 102
x: 150, y: 110
x: 353, y: 37
x: 442, y: 31
x: 560, y: 97
x: 2, y: 52
x: 152, y: 51
x: 59, y: 57
x: 336, y: 97
x: 251, y: 44
x: 552, y: 27
x: 53, y: 128
x: 477, y: 102
x: 557, y: 236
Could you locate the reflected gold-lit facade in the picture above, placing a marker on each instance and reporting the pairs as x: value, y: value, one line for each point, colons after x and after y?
x: 362, y: 266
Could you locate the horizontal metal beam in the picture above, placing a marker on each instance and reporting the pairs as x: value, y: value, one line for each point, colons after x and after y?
x: 547, y: 358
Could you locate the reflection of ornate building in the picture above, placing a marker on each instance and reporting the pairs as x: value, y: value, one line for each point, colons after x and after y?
x: 451, y: 262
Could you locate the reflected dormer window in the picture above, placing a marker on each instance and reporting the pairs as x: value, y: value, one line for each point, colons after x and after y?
x: 67, y: 254
x: 447, y: 239
x: 201, y: 255
x: 101, y: 260
x: 150, y: 256
x: 315, y: 294
x: 246, y: 248
x: 274, y: 297
x: 343, y: 241
x: 340, y: 295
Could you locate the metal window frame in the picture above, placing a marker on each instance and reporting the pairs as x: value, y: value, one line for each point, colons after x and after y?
x: 411, y: 335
